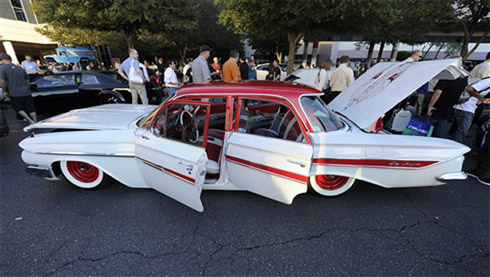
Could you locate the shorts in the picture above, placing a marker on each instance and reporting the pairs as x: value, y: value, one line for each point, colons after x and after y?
x: 23, y: 103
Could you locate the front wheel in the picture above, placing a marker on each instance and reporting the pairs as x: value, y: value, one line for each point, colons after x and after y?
x: 82, y: 175
x: 331, y: 185
x: 110, y: 99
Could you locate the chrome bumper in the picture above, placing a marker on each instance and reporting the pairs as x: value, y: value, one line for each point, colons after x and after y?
x: 453, y: 176
x: 44, y: 172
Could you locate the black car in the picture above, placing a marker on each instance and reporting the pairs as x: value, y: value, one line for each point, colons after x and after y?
x: 61, y: 92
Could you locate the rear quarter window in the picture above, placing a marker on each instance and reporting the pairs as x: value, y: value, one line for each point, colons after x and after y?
x: 320, y: 117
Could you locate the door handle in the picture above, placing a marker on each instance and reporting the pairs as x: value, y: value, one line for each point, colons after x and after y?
x: 302, y: 164
x: 189, y: 167
x: 144, y: 137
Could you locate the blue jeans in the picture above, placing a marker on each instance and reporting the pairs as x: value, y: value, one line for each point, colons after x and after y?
x: 171, y: 91
x: 441, y: 126
x: 463, y: 120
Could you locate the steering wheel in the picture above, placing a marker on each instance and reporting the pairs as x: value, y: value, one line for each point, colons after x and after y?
x: 189, y: 129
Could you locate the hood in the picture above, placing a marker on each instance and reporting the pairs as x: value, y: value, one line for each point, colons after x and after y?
x: 110, y: 117
x: 304, y: 76
x: 386, y: 84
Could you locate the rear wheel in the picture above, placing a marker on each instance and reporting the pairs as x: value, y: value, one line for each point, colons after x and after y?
x: 331, y: 185
x: 82, y: 175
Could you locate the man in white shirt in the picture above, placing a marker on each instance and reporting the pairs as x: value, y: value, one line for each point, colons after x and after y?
x: 170, y: 78
x: 342, y: 77
x: 465, y: 112
x: 29, y: 65
x: 482, y: 70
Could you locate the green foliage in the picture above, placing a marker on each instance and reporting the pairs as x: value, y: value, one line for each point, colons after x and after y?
x: 290, y: 18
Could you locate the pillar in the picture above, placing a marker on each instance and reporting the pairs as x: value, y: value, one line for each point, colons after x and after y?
x: 9, y: 48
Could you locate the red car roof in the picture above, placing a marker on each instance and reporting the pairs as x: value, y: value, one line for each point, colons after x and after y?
x: 284, y: 89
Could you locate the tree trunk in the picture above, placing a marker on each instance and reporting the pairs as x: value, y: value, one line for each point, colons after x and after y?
x: 370, y: 54
x: 480, y: 40
x: 380, y: 53
x: 182, y: 53
x: 129, y: 40
x: 394, y: 52
x: 293, y: 39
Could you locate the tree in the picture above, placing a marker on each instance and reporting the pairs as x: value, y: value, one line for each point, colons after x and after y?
x: 263, y: 19
x: 129, y: 17
x: 394, y: 21
x: 473, y: 16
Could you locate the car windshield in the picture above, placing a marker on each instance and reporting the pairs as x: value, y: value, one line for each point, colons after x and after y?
x: 320, y: 117
x: 145, y: 121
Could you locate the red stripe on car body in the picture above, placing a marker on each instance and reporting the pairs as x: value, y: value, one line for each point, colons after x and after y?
x: 373, y: 162
x: 273, y: 170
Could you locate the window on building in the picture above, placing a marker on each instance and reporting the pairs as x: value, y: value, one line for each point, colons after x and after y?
x: 18, y: 10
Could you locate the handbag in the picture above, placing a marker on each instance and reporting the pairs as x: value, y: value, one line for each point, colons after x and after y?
x: 134, y: 77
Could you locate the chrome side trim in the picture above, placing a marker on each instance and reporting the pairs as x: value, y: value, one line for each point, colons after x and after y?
x: 453, y: 176
x: 121, y: 155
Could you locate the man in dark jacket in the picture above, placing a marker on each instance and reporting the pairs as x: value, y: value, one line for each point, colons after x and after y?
x: 15, y: 82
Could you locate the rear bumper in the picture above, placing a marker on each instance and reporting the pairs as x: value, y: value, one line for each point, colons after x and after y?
x: 453, y: 176
x: 44, y: 172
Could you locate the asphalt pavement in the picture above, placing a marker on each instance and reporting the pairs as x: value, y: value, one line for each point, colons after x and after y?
x: 54, y: 228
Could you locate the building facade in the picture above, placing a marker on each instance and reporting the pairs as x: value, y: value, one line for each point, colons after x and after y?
x: 18, y: 36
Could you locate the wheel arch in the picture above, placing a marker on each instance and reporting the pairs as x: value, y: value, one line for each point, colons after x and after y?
x: 108, y: 92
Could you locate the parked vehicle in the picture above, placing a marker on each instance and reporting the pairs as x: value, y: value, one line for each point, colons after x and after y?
x: 270, y: 138
x: 306, y: 76
x: 61, y: 92
x: 65, y: 54
x: 263, y: 71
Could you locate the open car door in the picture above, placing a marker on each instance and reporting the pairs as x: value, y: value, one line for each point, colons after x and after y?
x: 171, y: 154
x: 268, y: 155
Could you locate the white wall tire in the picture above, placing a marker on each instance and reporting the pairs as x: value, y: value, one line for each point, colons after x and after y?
x: 331, y: 185
x: 82, y: 175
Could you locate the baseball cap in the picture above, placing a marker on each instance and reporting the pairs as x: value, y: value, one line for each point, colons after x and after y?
x: 5, y: 57
x: 204, y: 48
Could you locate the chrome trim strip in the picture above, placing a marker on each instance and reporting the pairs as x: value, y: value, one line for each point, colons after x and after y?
x: 162, y: 169
x: 121, y: 155
x: 453, y: 176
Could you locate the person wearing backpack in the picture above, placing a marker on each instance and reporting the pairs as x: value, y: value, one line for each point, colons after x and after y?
x: 130, y: 70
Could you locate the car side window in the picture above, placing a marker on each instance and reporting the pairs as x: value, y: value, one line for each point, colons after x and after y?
x: 50, y: 81
x: 182, y: 122
x: 89, y: 79
x: 269, y: 119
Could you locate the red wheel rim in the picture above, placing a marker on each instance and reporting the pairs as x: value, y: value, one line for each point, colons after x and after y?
x: 330, y: 182
x: 83, y: 172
